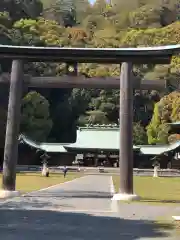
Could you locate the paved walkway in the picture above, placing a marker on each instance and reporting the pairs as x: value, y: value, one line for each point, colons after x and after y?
x: 87, y: 193
x: 79, y: 210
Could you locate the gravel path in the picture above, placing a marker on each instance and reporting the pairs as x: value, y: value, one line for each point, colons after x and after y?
x: 80, y: 210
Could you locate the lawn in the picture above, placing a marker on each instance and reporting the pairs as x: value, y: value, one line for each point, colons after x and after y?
x: 28, y: 182
x: 155, y: 190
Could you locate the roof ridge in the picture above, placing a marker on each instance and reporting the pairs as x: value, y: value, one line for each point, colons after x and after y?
x: 98, y: 129
x: 53, y: 143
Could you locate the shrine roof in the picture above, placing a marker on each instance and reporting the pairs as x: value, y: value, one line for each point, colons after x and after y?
x: 97, y: 138
x: 175, y: 123
x: 156, y: 54
x: 47, y: 147
x: 158, y: 149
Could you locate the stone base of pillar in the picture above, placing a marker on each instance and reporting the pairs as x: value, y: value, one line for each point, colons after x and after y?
x: 125, y: 197
x: 8, y: 194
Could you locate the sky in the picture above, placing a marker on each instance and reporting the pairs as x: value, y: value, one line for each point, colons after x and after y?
x: 92, y: 1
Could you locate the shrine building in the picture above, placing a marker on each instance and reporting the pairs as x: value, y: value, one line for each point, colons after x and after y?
x: 96, y: 145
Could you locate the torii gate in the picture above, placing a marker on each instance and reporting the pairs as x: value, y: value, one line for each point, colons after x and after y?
x: 72, y: 56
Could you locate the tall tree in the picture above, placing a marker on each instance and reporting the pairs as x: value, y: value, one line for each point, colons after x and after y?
x: 35, y: 120
x: 167, y: 110
x: 63, y: 11
x: 21, y: 8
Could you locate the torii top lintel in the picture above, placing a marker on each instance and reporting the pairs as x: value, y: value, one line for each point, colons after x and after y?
x: 160, y: 54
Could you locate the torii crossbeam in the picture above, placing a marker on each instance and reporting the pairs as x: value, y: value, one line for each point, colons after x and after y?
x: 81, y: 81
x: 126, y: 56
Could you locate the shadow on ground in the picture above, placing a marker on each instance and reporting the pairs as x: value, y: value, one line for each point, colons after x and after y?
x: 29, y: 224
x: 52, y: 200
x: 71, y: 194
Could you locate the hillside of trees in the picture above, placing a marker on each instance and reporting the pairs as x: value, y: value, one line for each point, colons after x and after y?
x: 54, y: 114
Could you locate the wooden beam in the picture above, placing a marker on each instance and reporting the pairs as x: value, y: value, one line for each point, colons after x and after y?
x: 153, y: 84
x: 76, y: 82
x: 84, y: 82
x: 141, y: 55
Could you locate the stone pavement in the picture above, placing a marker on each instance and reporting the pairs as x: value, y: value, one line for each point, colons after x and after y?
x: 89, y: 193
x: 79, y: 210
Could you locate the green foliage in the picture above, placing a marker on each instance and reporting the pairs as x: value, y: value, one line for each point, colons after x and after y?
x: 38, y: 32
x: 63, y: 11
x: 21, y: 8
x: 146, y: 16
x: 139, y: 134
x: 5, y: 24
x: 167, y: 110
x: 47, y: 3
x: 79, y: 101
x: 94, y: 117
x: 35, y: 122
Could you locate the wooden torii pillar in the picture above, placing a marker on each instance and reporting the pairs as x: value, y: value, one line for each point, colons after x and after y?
x: 126, y: 134
x: 12, y: 130
x: 82, y: 55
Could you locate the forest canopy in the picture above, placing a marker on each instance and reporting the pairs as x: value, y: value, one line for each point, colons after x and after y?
x: 79, y: 24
